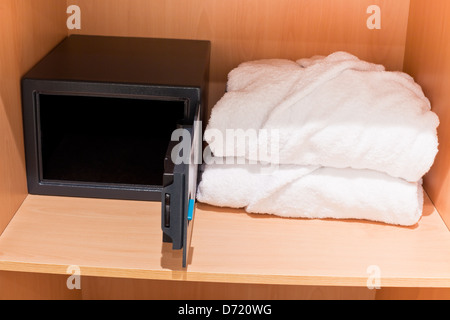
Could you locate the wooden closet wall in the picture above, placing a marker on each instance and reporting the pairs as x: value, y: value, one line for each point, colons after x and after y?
x: 28, y: 30
x: 255, y: 29
x: 239, y: 31
x: 427, y: 59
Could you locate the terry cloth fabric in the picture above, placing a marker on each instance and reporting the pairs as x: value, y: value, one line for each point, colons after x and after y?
x: 310, y: 192
x: 336, y: 111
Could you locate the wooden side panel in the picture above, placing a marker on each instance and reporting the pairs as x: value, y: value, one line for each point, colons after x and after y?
x: 413, y: 294
x: 428, y: 60
x: 94, y: 288
x: 256, y: 29
x: 35, y: 286
x: 28, y: 30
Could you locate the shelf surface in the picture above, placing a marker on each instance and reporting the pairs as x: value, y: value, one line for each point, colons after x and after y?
x: 115, y: 238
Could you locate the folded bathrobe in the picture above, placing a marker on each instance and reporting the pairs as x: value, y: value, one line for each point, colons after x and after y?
x: 353, y: 141
x: 336, y: 111
x: 311, y: 192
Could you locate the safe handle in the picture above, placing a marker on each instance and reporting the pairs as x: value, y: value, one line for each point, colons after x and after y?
x: 180, y: 186
x: 173, y: 200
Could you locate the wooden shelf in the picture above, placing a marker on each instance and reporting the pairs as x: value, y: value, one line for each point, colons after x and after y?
x: 115, y: 238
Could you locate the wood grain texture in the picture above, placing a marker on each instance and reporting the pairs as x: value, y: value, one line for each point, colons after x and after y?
x: 35, y: 286
x: 122, y: 239
x: 413, y: 294
x: 428, y: 60
x: 96, y: 288
x: 28, y: 30
x: 257, y: 29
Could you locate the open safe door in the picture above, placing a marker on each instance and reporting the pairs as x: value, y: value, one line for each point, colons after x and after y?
x: 180, y: 186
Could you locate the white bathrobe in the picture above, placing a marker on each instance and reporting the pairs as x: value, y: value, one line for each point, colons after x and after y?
x: 335, y: 112
x: 353, y: 141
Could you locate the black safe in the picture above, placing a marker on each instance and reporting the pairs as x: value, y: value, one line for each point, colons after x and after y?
x: 99, y: 113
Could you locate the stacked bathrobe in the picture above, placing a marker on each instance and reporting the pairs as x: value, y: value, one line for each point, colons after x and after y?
x: 352, y: 141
